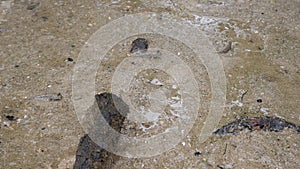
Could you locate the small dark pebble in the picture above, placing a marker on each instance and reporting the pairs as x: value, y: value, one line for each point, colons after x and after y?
x: 73, y: 46
x: 43, y: 128
x: 197, y: 153
x: 10, y: 118
x: 16, y: 66
x: 140, y: 44
x: 259, y: 100
x: 70, y: 59
x: 262, y: 13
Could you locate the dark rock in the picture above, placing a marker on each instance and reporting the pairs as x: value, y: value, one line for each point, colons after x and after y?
x: 197, y: 153
x: 10, y: 118
x: 70, y: 59
x: 140, y: 44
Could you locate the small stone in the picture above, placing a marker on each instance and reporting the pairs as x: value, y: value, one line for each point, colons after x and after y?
x: 12, y: 164
x: 43, y: 128
x: 10, y: 118
x: 140, y: 44
x: 197, y: 153
x: 6, y: 123
x: 225, y: 166
x: 161, y: 122
x: 70, y: 59
x: 49, y: 97
x: 156, y: 82
x: 259, y: 100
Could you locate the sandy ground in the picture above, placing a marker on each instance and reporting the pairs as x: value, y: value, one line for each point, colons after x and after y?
x: 38, y: 37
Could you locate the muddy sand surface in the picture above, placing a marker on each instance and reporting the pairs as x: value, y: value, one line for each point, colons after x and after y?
x: 258, y: 43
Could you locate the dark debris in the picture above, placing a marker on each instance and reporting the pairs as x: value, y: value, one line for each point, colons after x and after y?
x: 140, y: 44
x: 10, y: 118
x: 70, y: 59
x: 197, y: 153
x: 266, y: 123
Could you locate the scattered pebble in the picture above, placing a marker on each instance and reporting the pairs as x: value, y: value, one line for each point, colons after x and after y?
x: 12, y: 164
x: 156, y: 82
x: 197, y: 153
x: 49, y: 97
x: 140, y: 44
x: 264, y: 110
x: 259, y: 100
x: 6, y: 123
x: 236, y: 103
x: 10, y: 118
x: 19, y: 121
x: 70, y: 59
x: 174, y: 86
x: 225, y: 166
